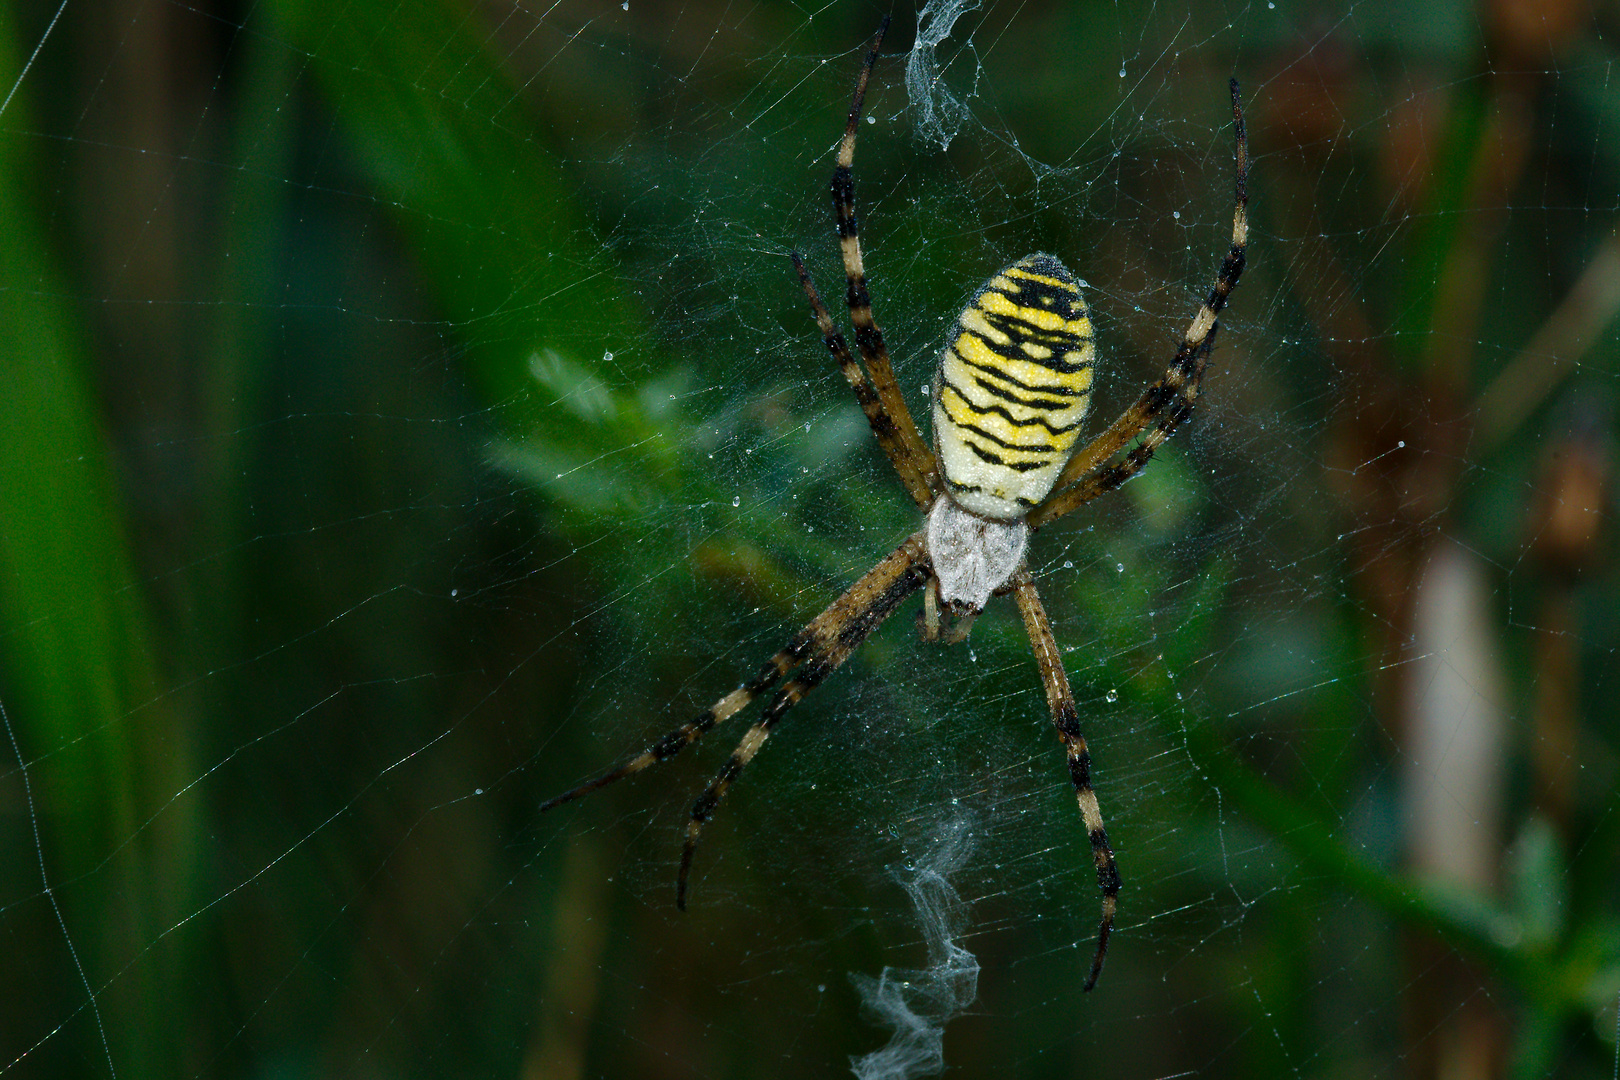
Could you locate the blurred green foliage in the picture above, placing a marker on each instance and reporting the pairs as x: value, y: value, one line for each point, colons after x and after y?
x: 407, y: 407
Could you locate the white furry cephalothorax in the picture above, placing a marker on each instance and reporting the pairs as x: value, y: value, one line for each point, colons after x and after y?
x: 973, y: 556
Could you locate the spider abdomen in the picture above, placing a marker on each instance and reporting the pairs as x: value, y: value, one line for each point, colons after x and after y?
x: 1013, y: 386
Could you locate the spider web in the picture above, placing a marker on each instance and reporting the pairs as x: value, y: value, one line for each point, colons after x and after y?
x: 410, y: 410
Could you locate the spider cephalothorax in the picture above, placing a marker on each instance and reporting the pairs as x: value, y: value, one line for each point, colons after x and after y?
x: 1011, y: 390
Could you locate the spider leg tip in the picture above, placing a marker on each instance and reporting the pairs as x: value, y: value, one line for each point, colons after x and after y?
x: 1096, y: 973
x: 557, y: 800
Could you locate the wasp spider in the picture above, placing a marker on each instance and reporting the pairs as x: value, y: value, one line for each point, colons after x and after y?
x: 1008, y: 397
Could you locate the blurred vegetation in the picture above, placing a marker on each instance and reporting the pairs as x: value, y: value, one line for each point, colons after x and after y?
x: 408, y: 408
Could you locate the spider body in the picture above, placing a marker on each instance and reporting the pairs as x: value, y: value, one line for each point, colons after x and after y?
x: 1011, y: 390
x: 1013, y: 386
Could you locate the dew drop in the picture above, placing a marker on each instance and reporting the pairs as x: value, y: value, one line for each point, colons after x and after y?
x: 736, y: 500
x: 1111, y: 697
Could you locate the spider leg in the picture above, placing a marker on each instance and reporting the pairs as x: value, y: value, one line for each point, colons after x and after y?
x: 1066, y: 719
x: 1169, y: 401
x: 818, y: 635
x: 855, y: 615
x: 868, y: 338
x: 883, y: 425
x: 687, y: 734
x: 937, y: 622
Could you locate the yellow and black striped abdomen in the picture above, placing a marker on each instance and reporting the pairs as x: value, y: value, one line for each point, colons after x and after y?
x: 1013, y: 386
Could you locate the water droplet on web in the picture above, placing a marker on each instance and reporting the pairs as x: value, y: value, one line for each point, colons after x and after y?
x: 1122, y: 73
x: 1176, y: 214
x: 607, y: 354
x: 736, y: 500
x: 871, y: 119
x: 453, y: 592
x: 1120, y: 567
x: 1068, y: 564
x: 1111, y: 697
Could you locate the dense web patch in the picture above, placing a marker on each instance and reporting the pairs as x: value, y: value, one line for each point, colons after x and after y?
x: 409, y: 407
